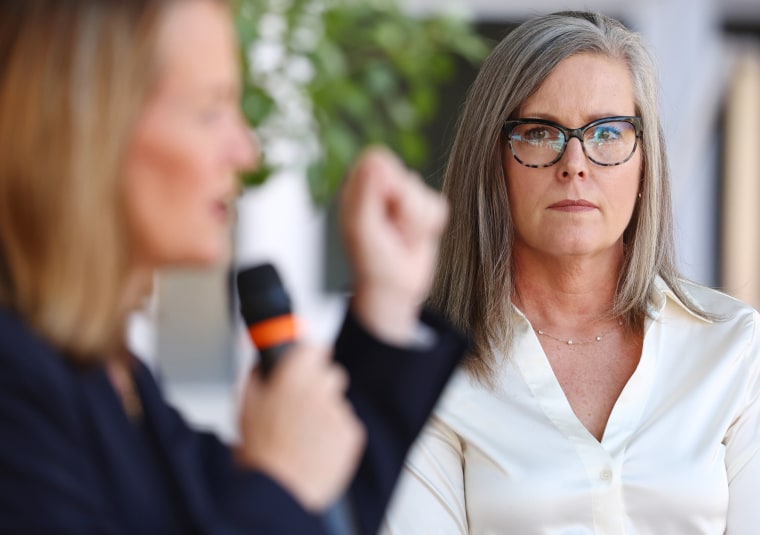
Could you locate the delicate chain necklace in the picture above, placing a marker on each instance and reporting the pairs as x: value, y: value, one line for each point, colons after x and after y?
x: 571, y: 342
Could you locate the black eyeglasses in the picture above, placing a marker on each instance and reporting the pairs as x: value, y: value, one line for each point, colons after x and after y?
x: 539, y: 143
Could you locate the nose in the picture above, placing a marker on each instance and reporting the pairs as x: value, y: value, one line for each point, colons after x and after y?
x: 245, y: 148
x: 573, y: 162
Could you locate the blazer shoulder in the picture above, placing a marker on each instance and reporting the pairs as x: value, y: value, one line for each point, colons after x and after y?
x: 34, y: 372
x: 23, y: 353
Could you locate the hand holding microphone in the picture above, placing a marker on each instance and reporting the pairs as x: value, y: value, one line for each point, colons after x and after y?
x: 296, y: 424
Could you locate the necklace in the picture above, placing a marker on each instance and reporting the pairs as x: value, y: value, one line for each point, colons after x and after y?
x: 571, y: 342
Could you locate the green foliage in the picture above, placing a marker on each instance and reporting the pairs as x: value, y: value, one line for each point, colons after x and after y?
x: 376, y: 76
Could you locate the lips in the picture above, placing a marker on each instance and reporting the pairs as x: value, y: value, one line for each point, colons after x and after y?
x: 221, y: 210
x: 573, y: 205
x: 222, y: 205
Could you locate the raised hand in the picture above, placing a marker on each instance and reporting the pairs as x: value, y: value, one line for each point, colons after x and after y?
x: 391, y: 223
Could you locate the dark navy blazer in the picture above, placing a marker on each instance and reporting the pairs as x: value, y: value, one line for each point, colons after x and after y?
x: 71, y: 462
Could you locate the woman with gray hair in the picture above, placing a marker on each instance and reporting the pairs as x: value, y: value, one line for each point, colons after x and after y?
x: 604, y: 393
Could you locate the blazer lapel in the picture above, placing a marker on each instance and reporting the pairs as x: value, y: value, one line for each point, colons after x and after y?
x: 178, y: 449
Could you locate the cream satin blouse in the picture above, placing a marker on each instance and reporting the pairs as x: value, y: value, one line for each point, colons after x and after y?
x: 680, y: 453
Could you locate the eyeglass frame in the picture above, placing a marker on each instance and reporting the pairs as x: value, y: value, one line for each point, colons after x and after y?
x: 577, y: 133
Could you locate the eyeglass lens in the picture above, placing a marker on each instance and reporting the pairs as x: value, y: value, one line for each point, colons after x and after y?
x: 539, y: 145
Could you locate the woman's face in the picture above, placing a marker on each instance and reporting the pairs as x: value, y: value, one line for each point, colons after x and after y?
x: 575, y: 207
x: 189, y: 144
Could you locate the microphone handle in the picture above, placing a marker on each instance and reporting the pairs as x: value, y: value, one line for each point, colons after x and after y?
x: 270, y: 356
x: 338, y: 519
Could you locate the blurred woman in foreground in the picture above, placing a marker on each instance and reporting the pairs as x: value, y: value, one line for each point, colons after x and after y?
x: 120, y: 141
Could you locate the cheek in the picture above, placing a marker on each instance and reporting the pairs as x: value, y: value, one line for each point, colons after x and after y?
x: 526, y: 188
x: 623, y: 195
x: 630, y: 184
x: 511, y: 174
x: 160, y: 179
x: 164, y: 193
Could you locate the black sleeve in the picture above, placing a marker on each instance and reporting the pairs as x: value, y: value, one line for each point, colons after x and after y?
x: 393, y: 391
x: 250, y: 502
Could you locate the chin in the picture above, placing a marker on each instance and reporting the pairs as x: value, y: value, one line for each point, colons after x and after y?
x: 204, y: 257
x: 212, y: 257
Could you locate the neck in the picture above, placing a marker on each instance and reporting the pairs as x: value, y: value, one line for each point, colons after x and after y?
x: 566, y: 293
x: 138, y: 289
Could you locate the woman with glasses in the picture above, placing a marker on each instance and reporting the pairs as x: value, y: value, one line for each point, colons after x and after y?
x: 603, y: 393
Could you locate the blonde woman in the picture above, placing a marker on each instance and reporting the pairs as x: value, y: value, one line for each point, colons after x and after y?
x: 120, y: 140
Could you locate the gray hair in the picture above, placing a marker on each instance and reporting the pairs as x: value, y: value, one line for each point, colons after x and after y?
x: 474, y: 282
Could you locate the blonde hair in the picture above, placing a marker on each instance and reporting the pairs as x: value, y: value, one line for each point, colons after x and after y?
x: 73, y: 78
x: 474, y: 282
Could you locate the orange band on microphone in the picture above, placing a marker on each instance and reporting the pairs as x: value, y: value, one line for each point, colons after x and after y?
x: 274, y: 331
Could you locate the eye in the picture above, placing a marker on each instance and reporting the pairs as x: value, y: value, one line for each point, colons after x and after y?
x: 606, y: 132
x: 543, y: 136
x: 536, y: 134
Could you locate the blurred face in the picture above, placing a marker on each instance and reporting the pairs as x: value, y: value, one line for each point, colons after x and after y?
x: 189, y: 143
x: 575, y: 207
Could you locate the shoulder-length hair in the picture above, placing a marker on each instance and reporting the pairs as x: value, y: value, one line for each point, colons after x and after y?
x: 73, y: 79
x: 474, y: 282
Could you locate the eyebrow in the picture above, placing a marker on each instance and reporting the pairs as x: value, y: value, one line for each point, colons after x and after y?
x: 548, y: 116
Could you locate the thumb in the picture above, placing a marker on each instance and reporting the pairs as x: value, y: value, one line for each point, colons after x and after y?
x: 253, y: 387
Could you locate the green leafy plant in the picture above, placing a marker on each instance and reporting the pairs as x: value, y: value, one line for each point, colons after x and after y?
x: 360, y: 71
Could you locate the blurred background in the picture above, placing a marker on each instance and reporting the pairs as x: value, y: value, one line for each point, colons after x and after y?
x: 325, y: 77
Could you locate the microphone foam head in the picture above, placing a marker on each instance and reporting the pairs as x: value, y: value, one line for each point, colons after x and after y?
x: 258, y: 278
x: 262, y: 294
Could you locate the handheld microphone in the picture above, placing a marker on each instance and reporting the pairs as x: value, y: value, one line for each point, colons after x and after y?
x: 266, y: 309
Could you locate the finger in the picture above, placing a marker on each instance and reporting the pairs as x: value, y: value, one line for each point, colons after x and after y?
x: 376, y: 173
x: 422, y: 212
x: 356, y: 433
x: 337, y: 379
x: 301, y: 360
x: 254, y: 383
x: 375, y: 160
x: 251, y: 398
